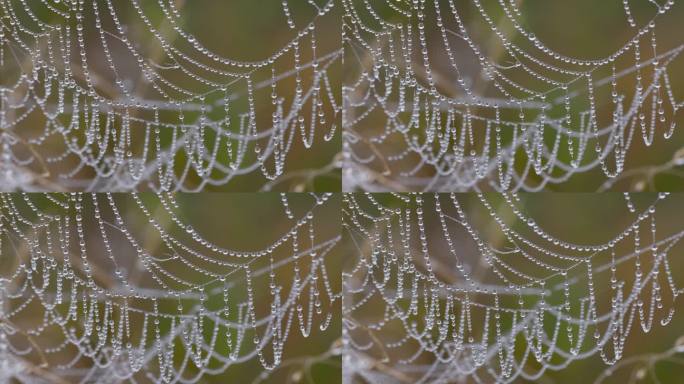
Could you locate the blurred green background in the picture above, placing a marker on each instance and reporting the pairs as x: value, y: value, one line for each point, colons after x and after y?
x: 583, y: 219
x: 242, y: 30
x: 240, y: 222
x: 582, y: 29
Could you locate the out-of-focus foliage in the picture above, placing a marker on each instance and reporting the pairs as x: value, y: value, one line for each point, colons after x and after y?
x: 548, y: 288
x: 158, y: 288
x: 178, y: 95
x: 446, y: 95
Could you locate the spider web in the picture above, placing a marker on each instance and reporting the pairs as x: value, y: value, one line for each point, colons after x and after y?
x: 114, y: 288
x: 470, y: 288
x: 448, y: 96
x: 115, y: 96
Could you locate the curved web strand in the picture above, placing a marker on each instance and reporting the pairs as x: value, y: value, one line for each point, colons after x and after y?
x: 457, y: 96
x: 108, y: 95
x: 127, y: 287
x: 451, y: 288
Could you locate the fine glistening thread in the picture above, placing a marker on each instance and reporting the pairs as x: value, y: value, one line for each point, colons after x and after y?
x: 538, y: 311
x: 78, y: 69
x: 528, y: 117
x: 187, y: 308
x: 417, y: 116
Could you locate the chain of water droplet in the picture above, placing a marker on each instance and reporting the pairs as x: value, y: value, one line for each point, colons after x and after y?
x: 436, y: 316
x: 95, y: 119
x: 437, y: 127
x: 182, y: 291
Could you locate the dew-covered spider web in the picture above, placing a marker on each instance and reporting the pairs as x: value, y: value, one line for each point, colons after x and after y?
x: 446, y: 95
x: 105, y: 95
x: 156, y: 288
x: 488, y: 288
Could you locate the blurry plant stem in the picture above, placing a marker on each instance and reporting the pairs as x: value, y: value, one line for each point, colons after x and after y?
x: 308, y: 176
x: 381, y: 178
x: 306, y: 363
x: 647, y: 173
x: 649, y: 360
